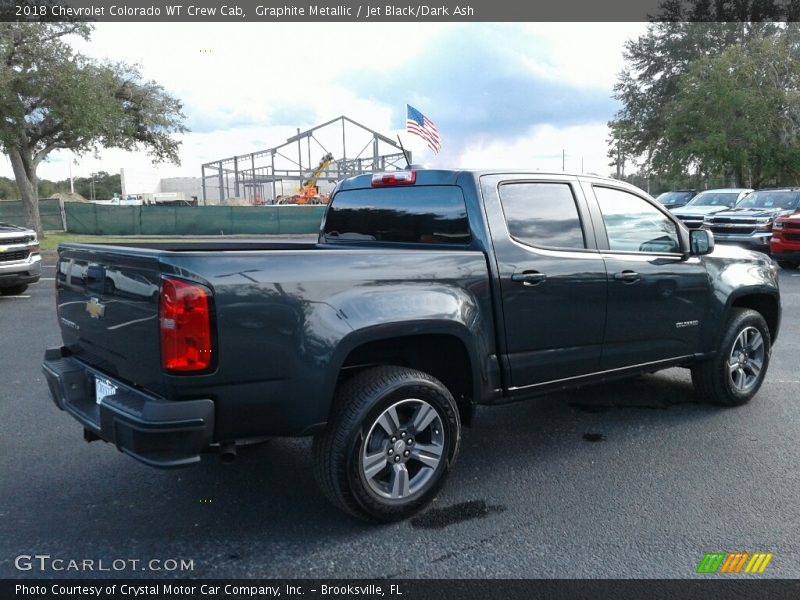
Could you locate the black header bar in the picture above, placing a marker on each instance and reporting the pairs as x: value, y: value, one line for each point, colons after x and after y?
x: 275, y: 11
x: 709, y: 588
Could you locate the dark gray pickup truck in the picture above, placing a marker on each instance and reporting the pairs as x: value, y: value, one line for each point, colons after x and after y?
x: 427, y: 293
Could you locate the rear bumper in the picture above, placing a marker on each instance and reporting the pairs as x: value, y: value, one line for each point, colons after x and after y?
x: 157, y: 432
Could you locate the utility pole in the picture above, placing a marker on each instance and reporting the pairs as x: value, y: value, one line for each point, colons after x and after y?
x: 71, y: 182
x: 619, y: 159
x: 563, y: 159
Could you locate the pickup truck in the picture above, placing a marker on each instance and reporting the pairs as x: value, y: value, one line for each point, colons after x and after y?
x: 707, y: 203
x: 427, y: 293
x: 785, y: 242
x: 749, y: 223
x: 20, y: 259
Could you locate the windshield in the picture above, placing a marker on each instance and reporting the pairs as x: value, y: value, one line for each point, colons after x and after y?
x: 715, y: 199
x: 781, y: 200
x: 674, y: 197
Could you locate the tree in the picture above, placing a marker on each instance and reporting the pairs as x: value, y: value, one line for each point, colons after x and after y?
x: 8, y: 191
x: 104, y: 184
x: 52, y: 98
x: 685, y: 31
x: 620, y: 146
x: 738, y: 112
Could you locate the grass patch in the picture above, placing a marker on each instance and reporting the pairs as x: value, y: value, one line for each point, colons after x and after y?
x: 53, y: 238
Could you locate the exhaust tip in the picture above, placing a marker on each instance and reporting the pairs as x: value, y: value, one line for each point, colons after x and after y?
x: 227, y: 453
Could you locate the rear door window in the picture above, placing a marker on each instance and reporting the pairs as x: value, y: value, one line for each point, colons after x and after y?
x: 542, y: 214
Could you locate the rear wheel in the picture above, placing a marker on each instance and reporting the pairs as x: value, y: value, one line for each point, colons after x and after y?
x: 734, y: 375
x: 788, y: 264
x: 15, y: 290
x: 392, y: 438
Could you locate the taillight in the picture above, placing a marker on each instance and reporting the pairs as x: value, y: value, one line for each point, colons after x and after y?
x: 185, y: 321
x: 394, y: 178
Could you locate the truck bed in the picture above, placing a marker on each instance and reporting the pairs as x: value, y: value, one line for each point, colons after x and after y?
x: 283, y: 314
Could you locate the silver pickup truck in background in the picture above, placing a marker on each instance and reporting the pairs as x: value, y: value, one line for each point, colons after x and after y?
x: 20, y: 261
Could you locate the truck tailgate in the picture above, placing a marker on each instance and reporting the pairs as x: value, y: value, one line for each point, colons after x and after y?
x: 108, y: 313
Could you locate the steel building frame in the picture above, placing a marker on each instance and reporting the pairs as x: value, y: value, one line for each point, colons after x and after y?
x: 257, y: 176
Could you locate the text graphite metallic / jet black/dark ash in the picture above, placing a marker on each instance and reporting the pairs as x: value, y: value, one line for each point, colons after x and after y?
x: 427, y: 293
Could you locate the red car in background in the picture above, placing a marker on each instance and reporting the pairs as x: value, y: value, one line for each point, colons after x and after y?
x: 785, y: 242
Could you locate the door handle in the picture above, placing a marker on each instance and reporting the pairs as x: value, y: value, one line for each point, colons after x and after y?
x: 627, y: 276
x: 529, y: 278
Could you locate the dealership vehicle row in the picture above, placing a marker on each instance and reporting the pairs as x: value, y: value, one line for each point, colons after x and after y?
x: 762, y: 220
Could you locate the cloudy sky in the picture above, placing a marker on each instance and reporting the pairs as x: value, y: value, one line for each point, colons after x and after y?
x: 511, y: 95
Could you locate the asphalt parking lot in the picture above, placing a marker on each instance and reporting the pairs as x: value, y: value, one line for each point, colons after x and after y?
x: 633, y: 479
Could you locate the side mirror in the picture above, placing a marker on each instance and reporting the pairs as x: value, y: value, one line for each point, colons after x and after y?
x: 701, y: 241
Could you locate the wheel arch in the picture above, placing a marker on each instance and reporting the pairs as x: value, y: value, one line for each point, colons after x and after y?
x: 444, y: 350
x: 766, y: 302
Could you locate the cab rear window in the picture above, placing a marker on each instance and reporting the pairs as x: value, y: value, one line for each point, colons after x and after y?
x: 413, y: 215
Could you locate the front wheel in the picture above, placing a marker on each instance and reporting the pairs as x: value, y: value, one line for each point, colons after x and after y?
x: 787, y: 264
x: 392, y: 438
x: 734, y: 375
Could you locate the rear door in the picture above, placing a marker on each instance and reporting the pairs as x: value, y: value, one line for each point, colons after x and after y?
x: 552, y: 278
x: 657, y: 297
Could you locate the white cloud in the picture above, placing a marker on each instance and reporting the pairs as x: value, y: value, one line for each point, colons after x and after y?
x: 258, y: 81
x: 583, y: 54
x: 541, y: 149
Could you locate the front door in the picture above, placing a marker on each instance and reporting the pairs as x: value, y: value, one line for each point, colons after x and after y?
x: 657, y: 297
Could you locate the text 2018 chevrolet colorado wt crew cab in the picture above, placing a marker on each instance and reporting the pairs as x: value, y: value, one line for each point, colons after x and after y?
x: 427, y: 293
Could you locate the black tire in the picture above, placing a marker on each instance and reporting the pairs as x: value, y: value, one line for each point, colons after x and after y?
x: 713, y: 379
x: 787, y: 264
x: 15, y: 290
x: 354, y: 428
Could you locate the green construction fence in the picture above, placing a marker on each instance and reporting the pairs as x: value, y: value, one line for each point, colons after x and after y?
x: 11, y: 211
x: 99, y: 219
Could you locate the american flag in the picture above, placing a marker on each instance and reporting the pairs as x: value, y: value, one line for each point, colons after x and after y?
x: 422, y: 126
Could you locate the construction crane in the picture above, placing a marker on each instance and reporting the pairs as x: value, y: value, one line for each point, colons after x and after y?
x: 308, y: 192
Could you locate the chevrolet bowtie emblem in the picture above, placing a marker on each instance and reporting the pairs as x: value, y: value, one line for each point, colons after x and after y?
x: 95, y: 308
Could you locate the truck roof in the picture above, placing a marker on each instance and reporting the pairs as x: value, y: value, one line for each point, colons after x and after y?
x: 450, y: 177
